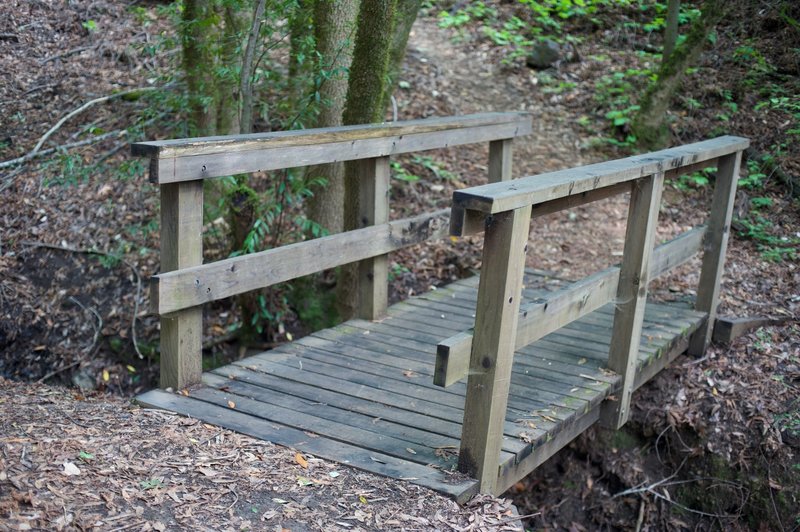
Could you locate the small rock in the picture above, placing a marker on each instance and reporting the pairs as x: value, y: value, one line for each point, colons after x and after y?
x: 83, y: 380
x: 544, y: 54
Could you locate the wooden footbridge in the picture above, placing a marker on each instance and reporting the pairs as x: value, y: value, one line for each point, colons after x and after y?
x: 464, y: 389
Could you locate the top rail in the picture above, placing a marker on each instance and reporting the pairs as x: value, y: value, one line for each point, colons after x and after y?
x: 535, y: 190
x: 207, y: 157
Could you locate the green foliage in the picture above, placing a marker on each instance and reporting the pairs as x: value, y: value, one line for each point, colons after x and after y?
x: 423, y: 162
x: 773, y: 248
x: 694, y: 180
x: 613, y: 95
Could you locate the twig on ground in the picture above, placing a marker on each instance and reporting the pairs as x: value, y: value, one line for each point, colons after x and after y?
x: 25, y: 158
x: 67, y: 53
x: 126, y: 263
x: 31, y: 154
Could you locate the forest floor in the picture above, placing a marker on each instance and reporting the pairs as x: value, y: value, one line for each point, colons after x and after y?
x: 713, y: 443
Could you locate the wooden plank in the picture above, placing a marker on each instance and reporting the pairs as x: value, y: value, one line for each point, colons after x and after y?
x: 459, y: 488
x: 541, y: 453
x: 715, y: 247
x: 203, y: 158
x: 500, y: 160
x: 335, y: 423
x: 493, y: 349
x: 181, y: 357
x: 727, y: 329
x: 373, y: 207
x: 676, y: 346
x: 632, y: 294
x: 525, y: 392
x: 317, y: 395
x: 190, y: 287
x: 553, y: 311
x: 535, y: 190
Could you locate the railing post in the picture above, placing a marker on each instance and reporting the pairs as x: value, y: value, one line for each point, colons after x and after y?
x: 500, y: 157
x: 181, y: 247
x: 373, y: 274
x: 492, y: 353
x: 632, y: 294
x: 714, y: 248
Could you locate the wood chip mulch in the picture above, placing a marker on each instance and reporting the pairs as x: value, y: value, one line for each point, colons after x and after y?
x: 69, y: 462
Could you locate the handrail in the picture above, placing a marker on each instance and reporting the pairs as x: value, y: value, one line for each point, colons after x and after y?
x: 181, y: 166
x: 544, y: 188
x: 207, y: 157
x: 189, y: 287
x: 504, y: 210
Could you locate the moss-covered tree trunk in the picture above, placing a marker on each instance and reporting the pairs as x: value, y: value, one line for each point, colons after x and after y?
x: 649, y: 125
x: 365, y: 104
x: 197, y: 33
x: 334, y: 33
x: 671, y: 28
x: 405, y: 16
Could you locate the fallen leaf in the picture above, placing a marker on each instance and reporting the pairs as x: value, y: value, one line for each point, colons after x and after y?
x: 362, y: 499
x: 106, y: 376
x: 71, y: 469
x: 303, y: 481
x: 300, y: 459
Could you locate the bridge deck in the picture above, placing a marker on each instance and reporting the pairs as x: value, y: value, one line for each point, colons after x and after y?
x: 361, y: 393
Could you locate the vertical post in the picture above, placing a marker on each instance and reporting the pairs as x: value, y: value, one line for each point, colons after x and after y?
x: 500, y: 155
x: 632, y: 294
x: 492, y: 354
x: 181, y: 247
x: 373, y: 274
x: 714, y: 248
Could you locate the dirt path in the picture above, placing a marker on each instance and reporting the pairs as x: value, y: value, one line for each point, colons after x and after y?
x: 474, y: 80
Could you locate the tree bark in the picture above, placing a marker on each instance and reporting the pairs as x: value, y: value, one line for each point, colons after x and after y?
x: 334, y: 32
x: 671, y: 29
x: 246, y: 75
x: 365, y: 104
x: 197, y: 55
x: 649, y: 124
x: 405, y: 16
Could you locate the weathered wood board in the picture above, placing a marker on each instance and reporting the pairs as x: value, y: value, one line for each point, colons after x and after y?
x: 362, y: 393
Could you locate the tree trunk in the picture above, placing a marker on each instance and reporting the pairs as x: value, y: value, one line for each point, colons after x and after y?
x: 671, y: 29
x: 649, y: 124
x: 365, y: 104
x: 334, y: 25
x: 246, y: 75
x: 404, y: 19
x: 197, y: 55
x: 228, y: 83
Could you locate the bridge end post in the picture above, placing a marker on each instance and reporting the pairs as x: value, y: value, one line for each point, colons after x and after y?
x: 181, y: 247
x: 493, y: 346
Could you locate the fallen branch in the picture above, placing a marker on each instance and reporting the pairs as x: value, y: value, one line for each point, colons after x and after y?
x: 31, y: 154
x: 67, y: 53
x: 105, y: 254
